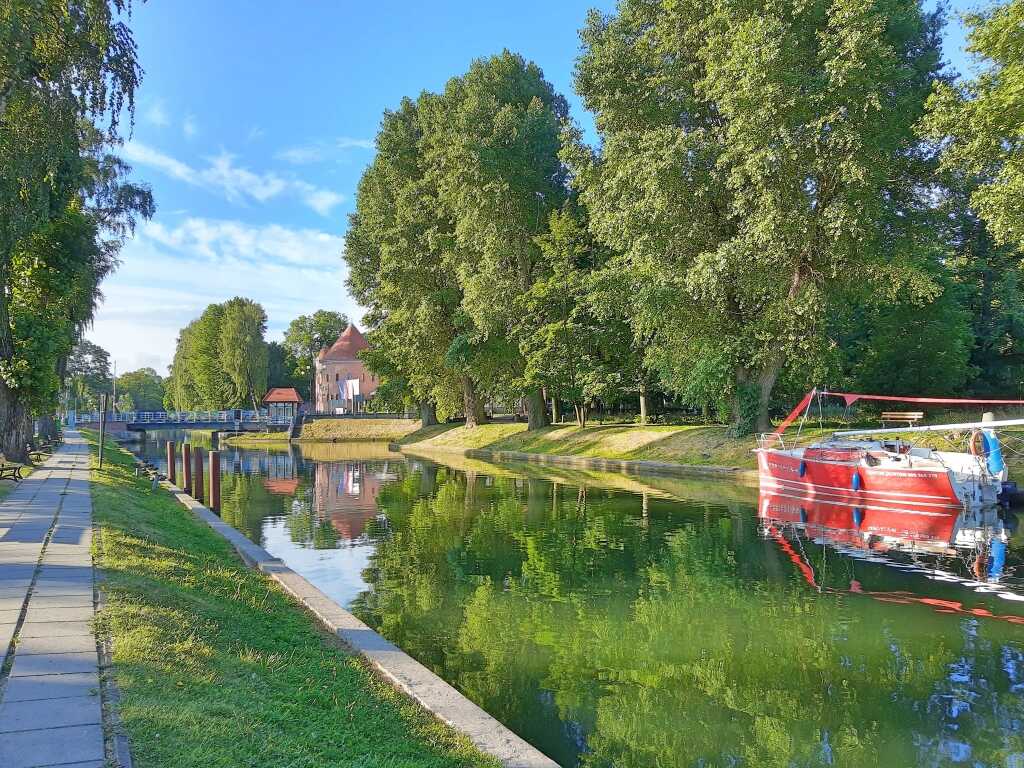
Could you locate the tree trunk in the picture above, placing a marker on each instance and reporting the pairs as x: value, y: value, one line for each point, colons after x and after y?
x: 428, y: 414
x: 474, y: 409
x: 581, y: 414
x: 48, y: 427
x: 536, y: 410
x: 556, y: 410
x: 14, y: 426
x: 644, y: 404
x: 765, y: 385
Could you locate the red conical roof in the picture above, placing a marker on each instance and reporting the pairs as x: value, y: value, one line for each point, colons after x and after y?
x: 347, y: 347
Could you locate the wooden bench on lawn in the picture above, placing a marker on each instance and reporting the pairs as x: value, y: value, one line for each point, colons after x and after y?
x: 910, y: 418
x: 10, y: 471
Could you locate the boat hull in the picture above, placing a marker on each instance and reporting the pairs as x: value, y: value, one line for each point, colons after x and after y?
x: 843, y: 482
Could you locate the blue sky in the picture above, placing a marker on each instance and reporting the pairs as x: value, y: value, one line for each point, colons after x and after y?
x: 253, y: 125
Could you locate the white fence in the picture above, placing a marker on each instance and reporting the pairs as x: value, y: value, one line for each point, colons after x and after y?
x: 184, y: 417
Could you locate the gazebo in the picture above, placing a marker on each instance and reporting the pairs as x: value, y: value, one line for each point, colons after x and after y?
x: 282, y: 403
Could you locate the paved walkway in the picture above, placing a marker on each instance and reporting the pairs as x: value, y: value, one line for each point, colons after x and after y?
x: 50, y: 711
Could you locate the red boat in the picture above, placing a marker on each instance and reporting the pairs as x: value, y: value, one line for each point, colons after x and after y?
x: 881, y: 467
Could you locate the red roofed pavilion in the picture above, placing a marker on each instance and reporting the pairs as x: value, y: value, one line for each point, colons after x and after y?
x: 343, y: 382
x: 282, y: 402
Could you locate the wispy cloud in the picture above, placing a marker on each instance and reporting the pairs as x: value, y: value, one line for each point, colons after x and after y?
x: 189, y: 126
x: 347, y: 142
x: 170, y: 272
x: 235, y: 182
x: 156, y: 114
x: 319, y: 151
x: 302, y: 155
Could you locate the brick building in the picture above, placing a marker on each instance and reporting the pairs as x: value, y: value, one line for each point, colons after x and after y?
x: 343, y: 382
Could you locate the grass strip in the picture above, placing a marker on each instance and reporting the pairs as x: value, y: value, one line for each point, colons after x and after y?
x: 217, y: 666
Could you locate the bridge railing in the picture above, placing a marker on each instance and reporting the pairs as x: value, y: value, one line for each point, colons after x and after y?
x: 184, y: 417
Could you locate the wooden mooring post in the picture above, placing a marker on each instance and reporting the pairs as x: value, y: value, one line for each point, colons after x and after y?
x: 215, y: 481
x: 172, y: 463
x: 197, y: 474
x: 186, y: 468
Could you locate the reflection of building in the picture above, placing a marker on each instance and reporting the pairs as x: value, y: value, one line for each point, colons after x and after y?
x: 343, y: 383
x: 346, y: 492
x: 282, y: 403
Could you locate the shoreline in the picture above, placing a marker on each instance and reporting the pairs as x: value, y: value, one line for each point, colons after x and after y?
x: 434, y: 696
x: 637, y: 467
x: 175, y: 573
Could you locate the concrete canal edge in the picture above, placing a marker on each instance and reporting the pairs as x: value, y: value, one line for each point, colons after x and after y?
x: 401, y: 670
x: 622, y: 466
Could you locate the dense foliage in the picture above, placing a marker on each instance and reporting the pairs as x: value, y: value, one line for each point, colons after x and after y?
x: 221, y: 359
x: 67, y: 71
x: 783, y: 196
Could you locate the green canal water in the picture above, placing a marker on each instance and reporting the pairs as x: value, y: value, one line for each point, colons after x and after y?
x: 616, y: 621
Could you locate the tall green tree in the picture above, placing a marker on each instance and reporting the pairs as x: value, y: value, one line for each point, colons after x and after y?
x: 981, y: 121
x: 306, y: 336
x: 753, y: 158
x: 244, y: 350
x: 492, y: 151
x: 400, y: 252
x: 144, y: 386
x: 221, y: 358
x: 64, y: 67
x: 88, y: 373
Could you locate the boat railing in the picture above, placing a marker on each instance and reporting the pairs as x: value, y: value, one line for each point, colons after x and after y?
x: 771, y: 440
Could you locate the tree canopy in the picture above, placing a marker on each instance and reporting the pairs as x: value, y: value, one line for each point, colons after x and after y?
x: 68, y: 70
x: 221, y: 359
x: 981, y: 121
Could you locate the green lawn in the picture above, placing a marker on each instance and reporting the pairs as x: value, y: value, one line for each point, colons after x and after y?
x: 681, y: 445
x: 218, y: 667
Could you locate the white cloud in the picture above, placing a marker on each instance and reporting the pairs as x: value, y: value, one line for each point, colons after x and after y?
x: 234, y: 182
x: 347, y: 142
x: 189, y: 126
x: 156, y: 113
x: 302, y: 155
x: 320, y: 200
x: 170, y: 273
x: 320, y: 151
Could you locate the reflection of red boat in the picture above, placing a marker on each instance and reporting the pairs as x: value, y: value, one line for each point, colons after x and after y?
x: 978, y: 536
x: 867, y: 525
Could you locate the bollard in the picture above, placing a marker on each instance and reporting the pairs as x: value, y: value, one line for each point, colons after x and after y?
x: 215, y: 481
x: 197, y: 475
x: 186, y: 468
x: 172, y: 461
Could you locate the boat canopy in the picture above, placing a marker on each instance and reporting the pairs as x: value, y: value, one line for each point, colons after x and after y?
x: 852, y: 397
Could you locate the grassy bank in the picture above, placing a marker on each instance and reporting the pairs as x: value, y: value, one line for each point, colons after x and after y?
x: 708, y: 445
x: 331, y: 430
x: 695, y: 445
x: 218, y: 667
x: 256, y: 439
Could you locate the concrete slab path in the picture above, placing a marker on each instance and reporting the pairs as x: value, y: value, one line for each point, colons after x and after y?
x: 50, y: 709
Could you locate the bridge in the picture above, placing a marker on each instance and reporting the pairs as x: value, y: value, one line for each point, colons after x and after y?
x: 234, y: 420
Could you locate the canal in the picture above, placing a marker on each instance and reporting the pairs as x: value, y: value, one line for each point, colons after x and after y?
x: 618, y: 621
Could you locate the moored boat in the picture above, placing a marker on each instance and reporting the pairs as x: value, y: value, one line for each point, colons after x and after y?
x: 882, y: 467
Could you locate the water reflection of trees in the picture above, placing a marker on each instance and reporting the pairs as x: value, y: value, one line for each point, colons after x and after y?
x: 651, y: 633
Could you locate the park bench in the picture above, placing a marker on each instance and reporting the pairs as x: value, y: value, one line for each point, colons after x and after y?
x: 908, y: 417
x: 10, y: 471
